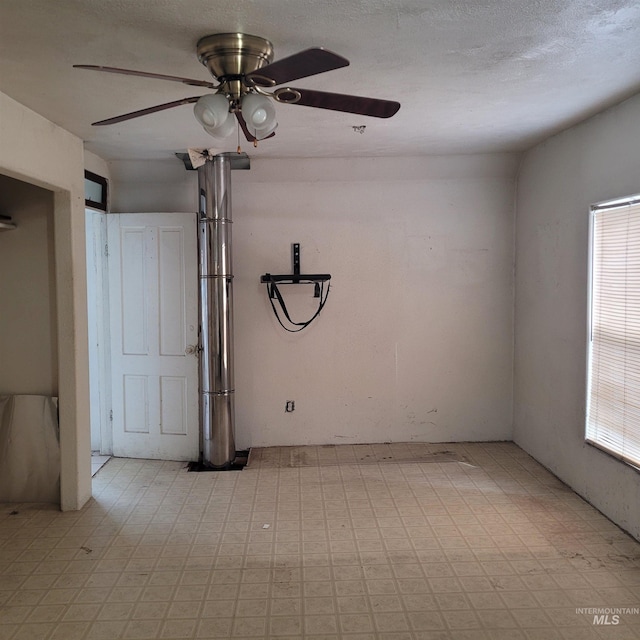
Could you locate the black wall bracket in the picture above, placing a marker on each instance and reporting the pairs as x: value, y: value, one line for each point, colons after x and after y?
x: 296, y: 277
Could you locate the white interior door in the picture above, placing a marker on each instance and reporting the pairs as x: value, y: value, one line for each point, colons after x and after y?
x: 153, y: 308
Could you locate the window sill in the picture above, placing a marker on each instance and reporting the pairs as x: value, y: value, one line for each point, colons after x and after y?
x: 613, y: 454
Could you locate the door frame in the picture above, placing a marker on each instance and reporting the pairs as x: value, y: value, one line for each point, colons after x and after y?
x: 98, y: 330
x: 99, y: 321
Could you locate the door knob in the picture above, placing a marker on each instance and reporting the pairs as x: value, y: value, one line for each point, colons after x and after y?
x: 191, y: 349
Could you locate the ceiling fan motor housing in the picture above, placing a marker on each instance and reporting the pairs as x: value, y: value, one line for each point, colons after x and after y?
x: 230, y: 55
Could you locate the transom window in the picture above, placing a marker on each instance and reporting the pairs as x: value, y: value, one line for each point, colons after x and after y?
x: 95, y: 191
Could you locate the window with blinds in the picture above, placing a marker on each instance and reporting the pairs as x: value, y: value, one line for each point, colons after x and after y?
x: 613, y: 394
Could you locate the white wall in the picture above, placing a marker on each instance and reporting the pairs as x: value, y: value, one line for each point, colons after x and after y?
x: 96, y: 165
x: 558, y: 181
x: 28, y: 325
x: 415, y: 342
x: 37, y: 151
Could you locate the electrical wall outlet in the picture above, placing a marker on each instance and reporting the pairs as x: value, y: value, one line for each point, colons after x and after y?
x: 290, y: 406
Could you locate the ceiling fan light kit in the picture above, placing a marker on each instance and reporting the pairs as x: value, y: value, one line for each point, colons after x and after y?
x: 259, y: 114
x: 212, y: 111
x: 222, y: 130
x: 243, y: 66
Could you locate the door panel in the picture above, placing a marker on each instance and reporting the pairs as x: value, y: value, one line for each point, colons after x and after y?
x: 153, y: 290
x: 134, y: 253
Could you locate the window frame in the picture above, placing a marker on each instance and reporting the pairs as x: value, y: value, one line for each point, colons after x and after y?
x: 593, y: 210
x: 101, y: 205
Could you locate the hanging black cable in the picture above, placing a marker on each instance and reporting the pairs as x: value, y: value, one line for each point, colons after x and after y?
x: 274, y: 292
x: 316, y: 279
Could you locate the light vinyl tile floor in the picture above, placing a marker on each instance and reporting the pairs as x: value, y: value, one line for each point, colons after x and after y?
x: 389, y: 542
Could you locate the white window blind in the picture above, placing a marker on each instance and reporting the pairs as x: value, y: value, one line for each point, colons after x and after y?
x: 613, y: 395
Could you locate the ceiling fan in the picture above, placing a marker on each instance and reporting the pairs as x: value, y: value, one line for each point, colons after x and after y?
x: 246, y: 79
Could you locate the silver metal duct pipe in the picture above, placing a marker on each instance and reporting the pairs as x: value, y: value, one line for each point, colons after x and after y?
x: 217, y: 412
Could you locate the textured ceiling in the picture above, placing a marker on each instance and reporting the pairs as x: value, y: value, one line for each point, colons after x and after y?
x: 472, y: 76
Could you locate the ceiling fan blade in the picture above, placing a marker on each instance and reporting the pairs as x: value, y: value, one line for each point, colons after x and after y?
x: 147, y: 111
x: 338, y: 102
x: 243, y: 125
x: 144, y: 74
x: 245, y: 129
x: 299, y: 65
